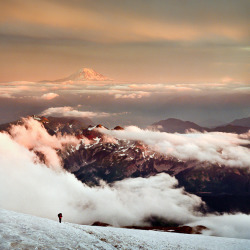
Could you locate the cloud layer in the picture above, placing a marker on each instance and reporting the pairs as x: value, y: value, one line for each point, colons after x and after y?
x: 33, y: 136
x: 118, y: 89
x: 222, y: 148
x: 135, y: 21
x: 143, y: 103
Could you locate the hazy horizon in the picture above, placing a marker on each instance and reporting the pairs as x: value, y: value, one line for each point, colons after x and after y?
x: 183, y: 59
x: 126, y: 103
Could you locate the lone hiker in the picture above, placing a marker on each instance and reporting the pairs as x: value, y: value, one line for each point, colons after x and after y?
x: 60, y: 217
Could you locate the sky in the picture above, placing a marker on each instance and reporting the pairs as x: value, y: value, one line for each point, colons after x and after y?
x: 183, y: 59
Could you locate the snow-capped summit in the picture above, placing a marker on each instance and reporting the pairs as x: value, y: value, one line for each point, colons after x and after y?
x: 86, y: 74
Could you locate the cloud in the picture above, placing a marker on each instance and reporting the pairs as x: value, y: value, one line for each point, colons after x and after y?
x: 144, y: 86
x: 132, y: 95
x: 33, y: 136
x: 5, y: 95
x: 226, y: 225
x: 121, y: 90
x: 215, y: 147
x: 135, y: 21
x: 69, y: 111
x: 49, y: 96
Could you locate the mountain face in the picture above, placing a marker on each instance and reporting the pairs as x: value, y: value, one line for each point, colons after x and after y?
x: 231, y: 129
x: 116, y: 161
x: 86, y: 74
x: 112, y: 161
x: 67, y: 125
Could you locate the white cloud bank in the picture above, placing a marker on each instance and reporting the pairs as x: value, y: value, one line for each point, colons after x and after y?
x: 69, y: 111
x: 49, y: 96
x: 215, y: 147
x: 120, y: 90
x: 33, y: 136
x: 228, y: 225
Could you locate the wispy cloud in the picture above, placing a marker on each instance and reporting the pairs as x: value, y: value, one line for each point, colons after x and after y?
x: 49, y: 96
x: 137, y: 95
x: 69, y: 111
x: 65, y: 20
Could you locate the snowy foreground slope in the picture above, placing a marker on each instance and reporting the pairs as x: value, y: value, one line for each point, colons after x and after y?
x: 20, y: 231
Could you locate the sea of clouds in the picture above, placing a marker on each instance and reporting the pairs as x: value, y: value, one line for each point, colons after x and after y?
x: 44, y: 189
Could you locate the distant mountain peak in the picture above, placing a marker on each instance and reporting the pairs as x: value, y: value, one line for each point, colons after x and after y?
x: 173, y: 125
x: 86, y: 74
x: 241, y: 122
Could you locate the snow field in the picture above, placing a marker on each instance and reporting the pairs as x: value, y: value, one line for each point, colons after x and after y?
x: 22, y: 231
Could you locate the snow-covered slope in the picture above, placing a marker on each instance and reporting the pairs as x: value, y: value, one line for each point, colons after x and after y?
x: 20, y: 231
x: 86, y: 74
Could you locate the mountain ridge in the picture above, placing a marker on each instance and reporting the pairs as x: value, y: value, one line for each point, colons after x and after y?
x: 241, y: 122
x: 174, y: 125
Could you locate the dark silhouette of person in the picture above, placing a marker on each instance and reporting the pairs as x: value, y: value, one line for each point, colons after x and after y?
x: 60, y: 217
